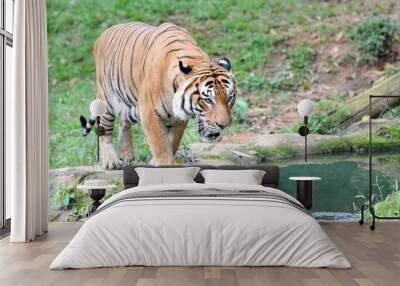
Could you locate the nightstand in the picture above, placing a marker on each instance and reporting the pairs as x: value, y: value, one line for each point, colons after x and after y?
x: 305, y: 190
x: 97, y: 190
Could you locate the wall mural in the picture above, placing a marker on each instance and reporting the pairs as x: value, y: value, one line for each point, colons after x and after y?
x: 221, y: 84
x: 160, y: 78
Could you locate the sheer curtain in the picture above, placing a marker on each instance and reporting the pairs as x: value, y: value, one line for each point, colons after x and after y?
x: 26, y: 131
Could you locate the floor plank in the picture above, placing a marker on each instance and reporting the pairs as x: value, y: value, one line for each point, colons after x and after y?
x: 375, y: 257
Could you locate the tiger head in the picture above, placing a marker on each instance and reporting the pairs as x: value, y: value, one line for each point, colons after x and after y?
x: 207, y: 91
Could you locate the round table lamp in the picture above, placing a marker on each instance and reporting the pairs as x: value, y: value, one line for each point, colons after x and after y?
x: 97, y: 108
x: 305, y: 107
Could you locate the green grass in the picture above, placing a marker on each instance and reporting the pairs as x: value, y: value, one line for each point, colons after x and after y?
x: 326, y: 117
x: 359, y: 144
x: 390, y: 206
x: 294, y: 74
x: 384, y: 205
x: 280, y: 151
x: 249, y: 32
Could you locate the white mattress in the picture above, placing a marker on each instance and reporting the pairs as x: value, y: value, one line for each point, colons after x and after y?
x: 189, y: 231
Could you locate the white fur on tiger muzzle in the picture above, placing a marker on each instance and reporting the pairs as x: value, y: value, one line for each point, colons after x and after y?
x: 209, y: 133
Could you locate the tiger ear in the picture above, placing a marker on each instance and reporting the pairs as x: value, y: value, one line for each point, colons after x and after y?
x: 225, y: 63
x: 184, y: 68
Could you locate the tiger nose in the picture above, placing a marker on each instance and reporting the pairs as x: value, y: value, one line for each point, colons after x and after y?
x: 223, y: 125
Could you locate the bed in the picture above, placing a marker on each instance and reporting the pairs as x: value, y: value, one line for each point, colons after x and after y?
x: 198, y: 224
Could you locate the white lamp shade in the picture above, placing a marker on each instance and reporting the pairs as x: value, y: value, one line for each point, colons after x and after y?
x: 97, y: 107
x: 305, y: 107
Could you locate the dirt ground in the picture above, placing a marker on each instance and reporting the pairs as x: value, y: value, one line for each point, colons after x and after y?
x: 336, y: 68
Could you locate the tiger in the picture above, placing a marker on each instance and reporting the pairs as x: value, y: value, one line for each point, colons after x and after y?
x: 159, y: 77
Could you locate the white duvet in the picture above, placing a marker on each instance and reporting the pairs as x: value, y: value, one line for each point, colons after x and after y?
x: 188, y: 231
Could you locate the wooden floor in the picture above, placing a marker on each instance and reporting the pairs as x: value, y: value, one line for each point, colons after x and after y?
x: 375, y: 257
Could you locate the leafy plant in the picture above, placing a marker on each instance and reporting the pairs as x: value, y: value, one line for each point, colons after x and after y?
x: 392, y: 113
x: 375, y: 38
x: 115, y: 190
x: 394, y: 132
x: 80, y: 205
x: 327, y: 121
x: 184, y: 154
x: 240, y: 110
x: 326, y: 117
x: 66, y: 195
x: 388, y: 205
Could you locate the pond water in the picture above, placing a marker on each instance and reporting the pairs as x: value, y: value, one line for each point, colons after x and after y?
x: 344, y: 185
x: 337, y: 197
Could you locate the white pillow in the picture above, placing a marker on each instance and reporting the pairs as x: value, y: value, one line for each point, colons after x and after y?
x: 164, y: 176
x: 248, y: 177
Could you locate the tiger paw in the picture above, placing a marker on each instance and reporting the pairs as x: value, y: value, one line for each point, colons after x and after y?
x: 125, y: 153
x: 112, y: 164
x: 126, y: 159
x: 110, y: 159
